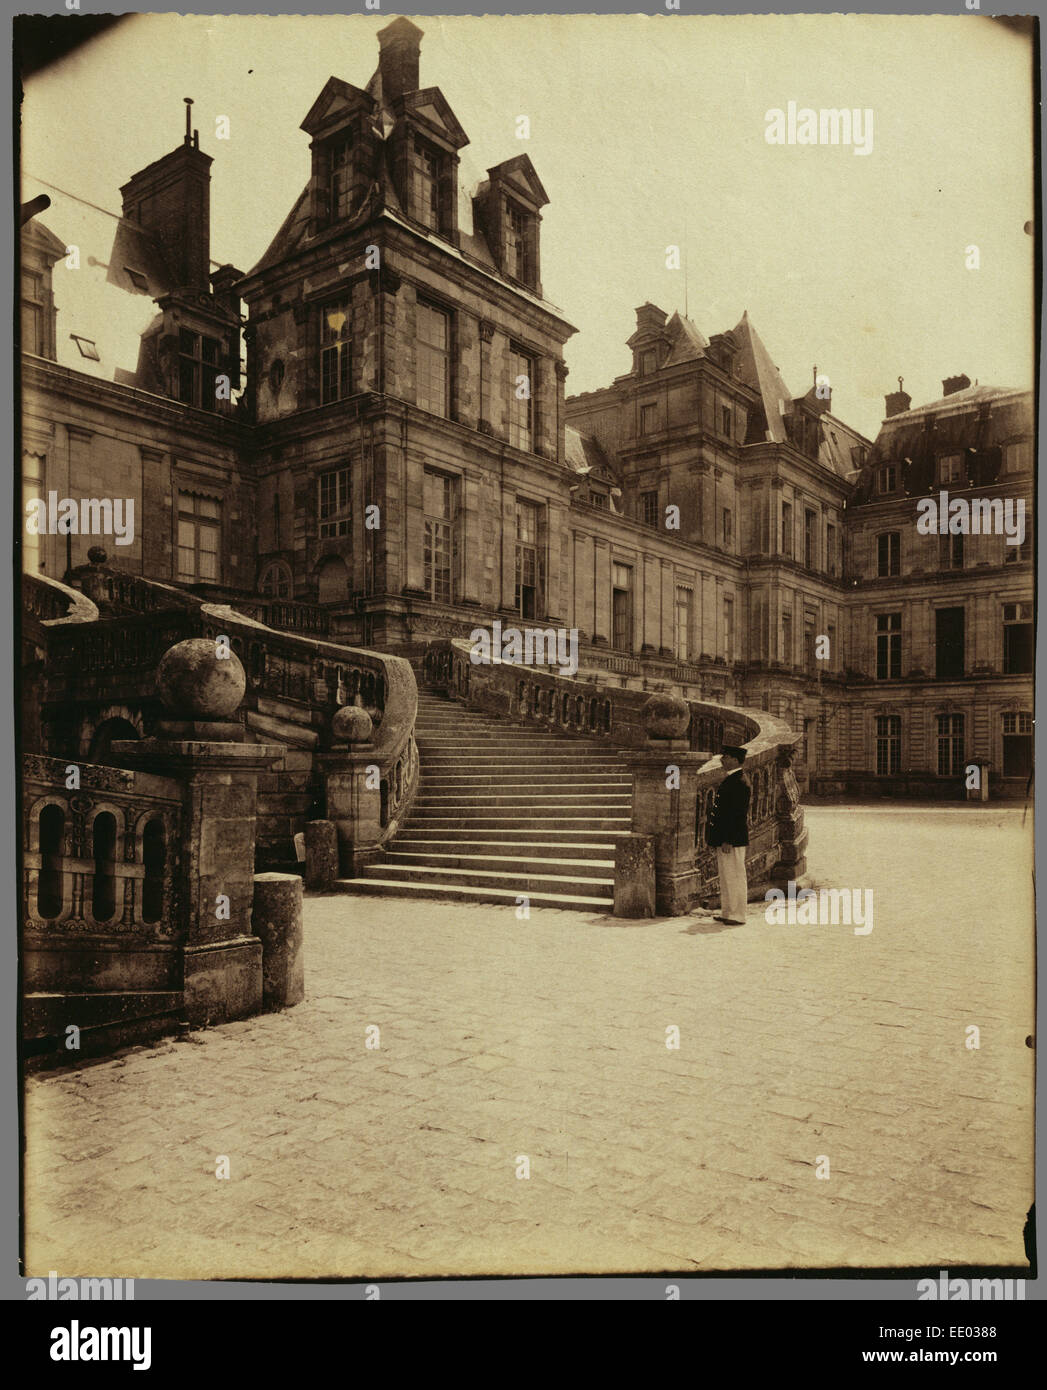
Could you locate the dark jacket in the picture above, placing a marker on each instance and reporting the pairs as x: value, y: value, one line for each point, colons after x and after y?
x: 728, y: 820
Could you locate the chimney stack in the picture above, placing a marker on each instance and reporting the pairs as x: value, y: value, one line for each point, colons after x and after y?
x: 399, y: 46
x: 650, y: 319
x: 897, y: 401
x: 952, y: 384
x: 171, y: 199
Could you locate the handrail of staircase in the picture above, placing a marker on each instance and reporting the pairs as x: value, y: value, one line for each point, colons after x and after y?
x: 671, y: 745
x: 309, y: 675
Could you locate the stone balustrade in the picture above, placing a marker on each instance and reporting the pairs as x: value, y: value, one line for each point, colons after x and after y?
x: 671, y: 746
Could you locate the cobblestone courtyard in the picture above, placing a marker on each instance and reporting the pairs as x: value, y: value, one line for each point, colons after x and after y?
x: 547, y: 1039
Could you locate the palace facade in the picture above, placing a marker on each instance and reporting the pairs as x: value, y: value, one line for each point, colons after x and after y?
x: 369, y: 430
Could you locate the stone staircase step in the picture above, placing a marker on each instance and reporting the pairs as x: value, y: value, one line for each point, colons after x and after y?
x: 514, y: 864
x: 490, y: 878
x: 580, y: 851
x: 395, y: 888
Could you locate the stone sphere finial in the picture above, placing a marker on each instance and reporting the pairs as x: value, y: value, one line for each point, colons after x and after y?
x: 666, y: 716
x: 195, y: 683
x: 351, y: 725
x: 97, y: 555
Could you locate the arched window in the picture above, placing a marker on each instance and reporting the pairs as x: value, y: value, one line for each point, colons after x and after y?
x: 103, y: 893
x: 153, y: 856
x: 275, y: 581
x: 49, y: 883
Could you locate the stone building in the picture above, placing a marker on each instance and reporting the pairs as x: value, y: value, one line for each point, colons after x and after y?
x: 394, y: 460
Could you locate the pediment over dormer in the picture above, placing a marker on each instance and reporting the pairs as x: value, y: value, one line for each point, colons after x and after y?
x: 431, y: 106
x: 338, y: 103
x: 518, y: 176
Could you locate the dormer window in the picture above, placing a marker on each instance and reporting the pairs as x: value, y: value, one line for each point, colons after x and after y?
x: 887, y: 478
x: 519, y: 243
x: 341, y: 170
x: 648, y: 363
x: 426, y: 172
x: 197, y: 369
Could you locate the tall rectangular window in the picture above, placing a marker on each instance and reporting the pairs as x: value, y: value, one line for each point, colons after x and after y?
x: 888, y: 744
x: 333, y: 502
x: 888, y: 646
x: 522, y: 387
x: 950, y: 745
x: 728, y: 529
x: 787, y: 529
x: 530, y: 559
x: 1017, y: 744
x: 440, y: 505
x: 684, y: 621
x: 888, y: 554
x: 432, y: 358
x: 335, y: 351
x: 810, y: 639
x: 197, y: 369
x: 622, y: 607
x: 887, y: 478
x: 519, y: 243
x: 426, y: 170
x: 728, y: 628
x: 199, y: 537
x: 948, y: 642
x: 649, y: 508
x: 32, y: 313
x: 648, y: 419
x: 341, y: 156
x: 1017, y: 639
x: 950, y: 552
x: 787, y: 637
x: 810, y: 545
x: 832, y: 562
x: 725, y: 421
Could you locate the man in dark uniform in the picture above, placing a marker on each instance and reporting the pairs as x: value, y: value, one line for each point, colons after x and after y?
x: 728, y: 833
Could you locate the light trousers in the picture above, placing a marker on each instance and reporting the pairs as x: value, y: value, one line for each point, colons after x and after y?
x: 734, y: 888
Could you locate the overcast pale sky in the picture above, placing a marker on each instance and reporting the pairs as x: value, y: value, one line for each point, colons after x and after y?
x: 645, y: 132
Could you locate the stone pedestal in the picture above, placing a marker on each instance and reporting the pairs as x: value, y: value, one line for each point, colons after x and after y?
x: 667, y: 815
x: 321, y: 855
x: 277, y: 920
x: 205, y: 751
x: 634, y: 876
x: 353, y: 807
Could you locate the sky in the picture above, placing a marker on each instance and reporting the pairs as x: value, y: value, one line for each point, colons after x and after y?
x: 647, y: 132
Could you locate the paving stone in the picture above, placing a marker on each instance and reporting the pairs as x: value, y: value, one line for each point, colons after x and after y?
x: 548, y: 1039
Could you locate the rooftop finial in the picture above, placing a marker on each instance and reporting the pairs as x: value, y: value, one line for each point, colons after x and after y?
x: 900, y: 380
x: 188, y: 120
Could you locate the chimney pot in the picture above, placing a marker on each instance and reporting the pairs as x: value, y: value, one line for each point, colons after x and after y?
x: 952, y: 384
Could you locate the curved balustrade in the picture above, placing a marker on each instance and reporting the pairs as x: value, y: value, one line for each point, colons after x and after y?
x: 633, y: 721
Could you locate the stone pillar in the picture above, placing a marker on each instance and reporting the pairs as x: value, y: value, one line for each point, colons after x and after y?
x: 602, y: 595
x: 207, y: 753
x: 634, y: 876
x: 276, y: 918
x: 664, y: 802
x: 321, y: 855
x: 352, y: 778
x: 792, y: 833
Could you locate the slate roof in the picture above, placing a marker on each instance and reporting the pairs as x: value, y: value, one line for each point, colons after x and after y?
x: 757, y: 370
